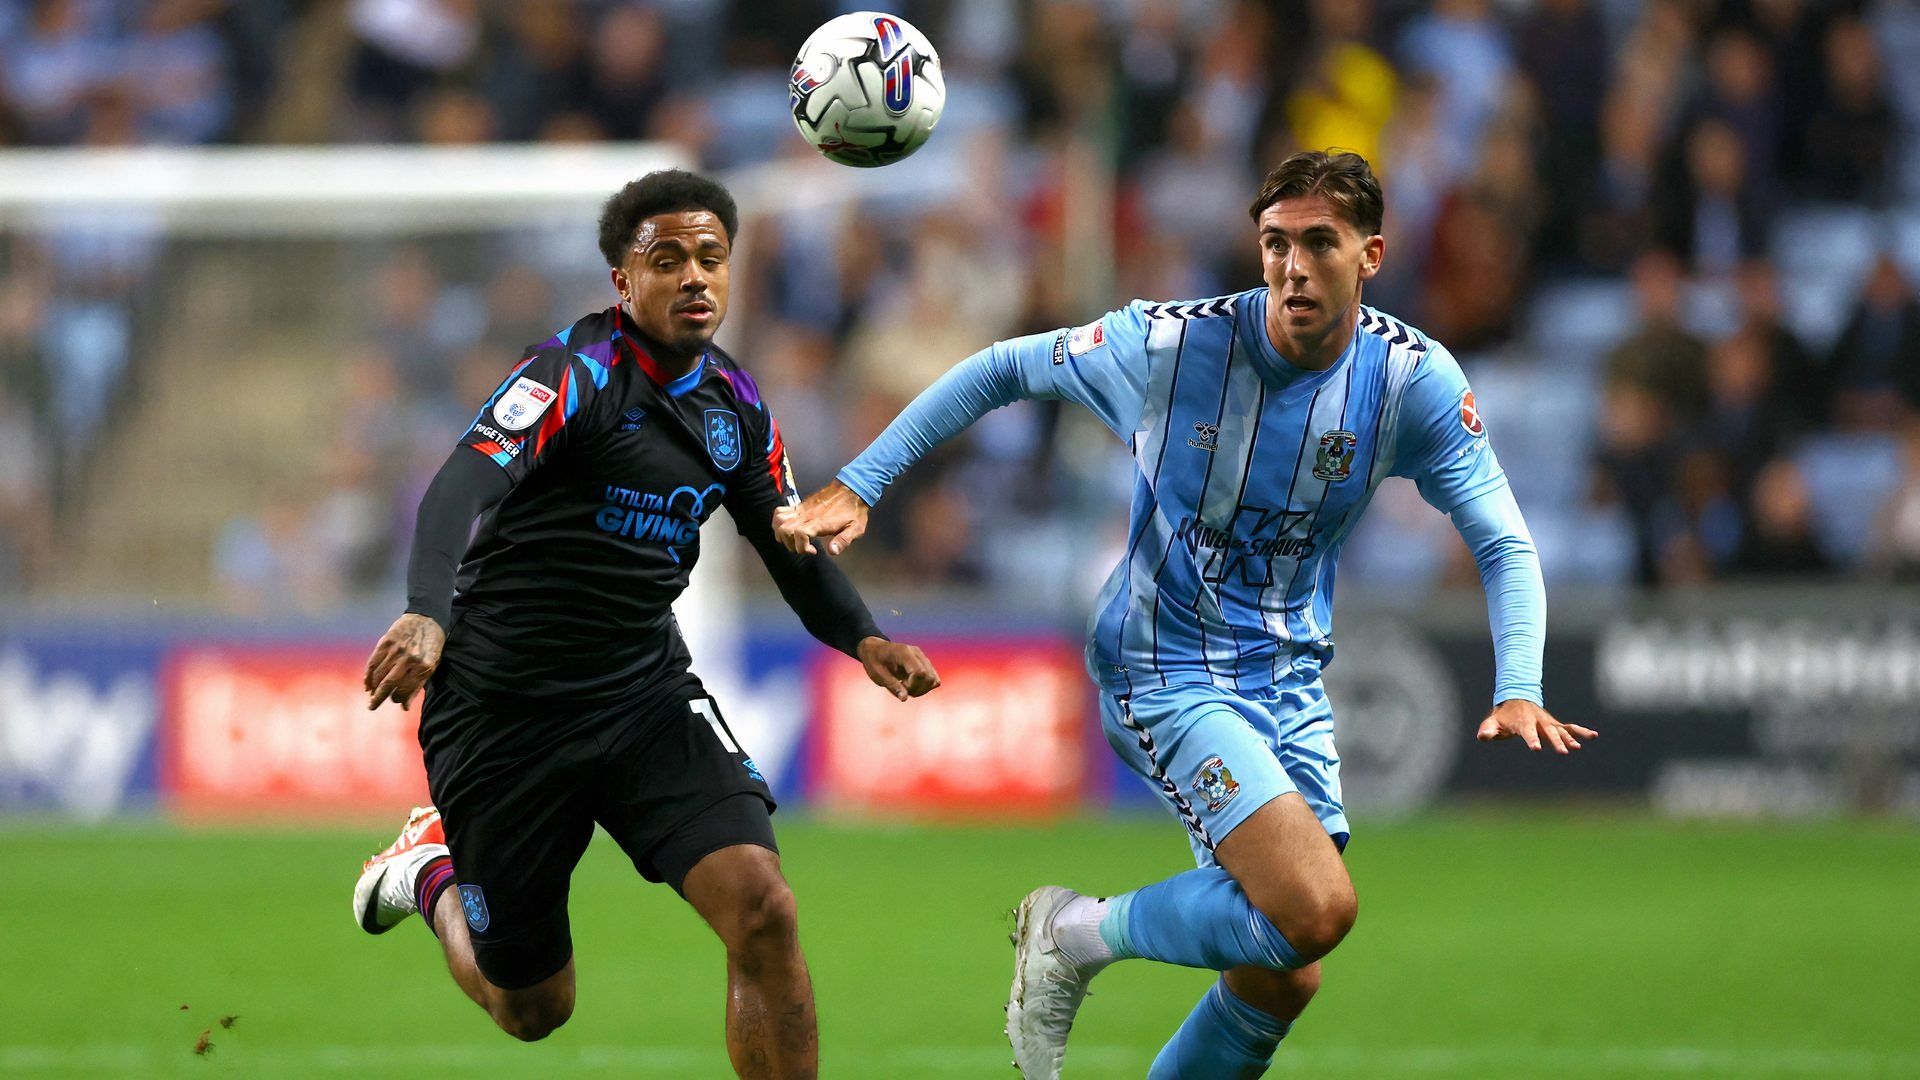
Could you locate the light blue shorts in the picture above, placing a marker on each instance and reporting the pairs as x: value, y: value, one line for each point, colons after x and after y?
x: 1215, y: 755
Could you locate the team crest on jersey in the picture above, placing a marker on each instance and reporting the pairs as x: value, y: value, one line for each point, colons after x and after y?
x: 522, y: 404
x: 1334, y: 460
x: 1470, y: 416
x: 474, y: 903
x: 723, y: 437
x: 1086, y: 338
x: 1215, y: 783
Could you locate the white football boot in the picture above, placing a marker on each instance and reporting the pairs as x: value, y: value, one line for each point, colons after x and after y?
x: 1047, y: 988
x: 383, y: 896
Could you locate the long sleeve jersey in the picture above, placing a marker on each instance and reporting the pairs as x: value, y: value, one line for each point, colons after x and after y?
x: 1250, y: 475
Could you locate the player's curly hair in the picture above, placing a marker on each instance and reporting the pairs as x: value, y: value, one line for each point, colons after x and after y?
x: 1342, y: 178
x: 662, y: 192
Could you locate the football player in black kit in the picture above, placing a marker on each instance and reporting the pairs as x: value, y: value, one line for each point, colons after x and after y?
x: 558, y: 689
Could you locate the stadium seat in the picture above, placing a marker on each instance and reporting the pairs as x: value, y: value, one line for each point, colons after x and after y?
x: 1849, y: 477
x: 1572, y: 323
x: 1828, y: 250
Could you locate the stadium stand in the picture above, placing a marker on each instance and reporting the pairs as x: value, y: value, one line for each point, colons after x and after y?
x: 1766, y: 192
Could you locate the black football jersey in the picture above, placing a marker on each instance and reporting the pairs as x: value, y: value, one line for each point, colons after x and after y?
x: 566, y: 589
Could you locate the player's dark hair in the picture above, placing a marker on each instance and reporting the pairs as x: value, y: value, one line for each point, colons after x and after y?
x: 1343, y: 179
x: 664, y: 192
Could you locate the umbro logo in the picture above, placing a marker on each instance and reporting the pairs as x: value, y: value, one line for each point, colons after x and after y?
x: 1205, y: 437
x: 630, y: 420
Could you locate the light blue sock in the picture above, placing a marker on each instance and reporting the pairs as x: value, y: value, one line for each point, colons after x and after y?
x: 1224, y: 1038
x: 1201, y: 918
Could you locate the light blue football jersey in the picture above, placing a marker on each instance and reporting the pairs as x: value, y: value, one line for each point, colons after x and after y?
x: 1251, y: 474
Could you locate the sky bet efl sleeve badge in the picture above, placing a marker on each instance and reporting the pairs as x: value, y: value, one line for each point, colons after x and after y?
x: 522, y: 404
x: 1087, y: 338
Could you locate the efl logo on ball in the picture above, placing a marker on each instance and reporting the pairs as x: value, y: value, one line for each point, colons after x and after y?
x: 899, y: 71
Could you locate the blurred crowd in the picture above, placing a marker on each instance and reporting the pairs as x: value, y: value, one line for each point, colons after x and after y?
x: 1673, y: 242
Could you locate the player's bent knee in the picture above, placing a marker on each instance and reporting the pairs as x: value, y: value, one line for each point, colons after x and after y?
x: 529, y: 1028
x: 1316, y: 926
x: 532, y: 1025
x: 531, y: 1017
x: 1305, y: 983
x: 1284, y: 994
x: 765, y: 916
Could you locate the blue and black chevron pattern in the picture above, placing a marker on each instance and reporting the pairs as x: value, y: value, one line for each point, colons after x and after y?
x: 1395, y: 332
x: 1159, y: 775
x: 1193, y: 309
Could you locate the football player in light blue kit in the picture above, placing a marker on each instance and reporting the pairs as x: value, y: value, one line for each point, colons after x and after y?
x: 1261, y: 423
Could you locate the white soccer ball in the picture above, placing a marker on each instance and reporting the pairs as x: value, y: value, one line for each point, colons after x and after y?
x: 866, y: 89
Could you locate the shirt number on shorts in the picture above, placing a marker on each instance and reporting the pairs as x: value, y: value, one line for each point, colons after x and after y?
x: 703, y: 707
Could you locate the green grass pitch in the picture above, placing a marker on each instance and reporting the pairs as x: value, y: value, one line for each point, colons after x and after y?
x: 1518, y: 944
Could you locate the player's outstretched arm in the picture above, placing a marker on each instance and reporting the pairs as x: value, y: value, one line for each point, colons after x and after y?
x: 837, y: 513
x: 409, y: 651
x: 1445, y: 449
x: 1097, y: 373
x: 1503, y: 549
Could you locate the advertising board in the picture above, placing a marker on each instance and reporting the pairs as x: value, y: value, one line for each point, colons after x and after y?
x: 253, y: 729
x: 1009, y: 733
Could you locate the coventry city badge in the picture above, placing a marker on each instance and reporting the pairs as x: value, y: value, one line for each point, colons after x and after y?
x: 1215, y: 781
x: 1334, y: 460
x: 723, y: 438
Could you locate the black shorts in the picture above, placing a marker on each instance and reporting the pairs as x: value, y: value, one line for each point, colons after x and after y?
x: 519, y: 794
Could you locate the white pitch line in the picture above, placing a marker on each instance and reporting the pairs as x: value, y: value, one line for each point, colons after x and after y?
x: 982, y: 1060
x: 1673, y: 1060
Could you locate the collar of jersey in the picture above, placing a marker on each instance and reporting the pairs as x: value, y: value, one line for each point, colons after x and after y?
x: 691, y: 379
x: 1273, y: 367
x: 673, y: 387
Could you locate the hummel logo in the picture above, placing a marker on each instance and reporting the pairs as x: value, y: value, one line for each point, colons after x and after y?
x: 630, y: 420
x: 1205, y: 437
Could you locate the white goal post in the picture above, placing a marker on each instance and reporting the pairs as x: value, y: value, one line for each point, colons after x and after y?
x: 322, y: 190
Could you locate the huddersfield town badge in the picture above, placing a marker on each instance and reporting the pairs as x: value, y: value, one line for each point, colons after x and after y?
x: 475, y: 904
x: 1334, y: 460
x: 723, y: 438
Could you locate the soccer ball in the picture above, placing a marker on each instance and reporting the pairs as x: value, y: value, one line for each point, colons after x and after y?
x: 866, y: 89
